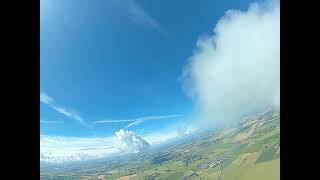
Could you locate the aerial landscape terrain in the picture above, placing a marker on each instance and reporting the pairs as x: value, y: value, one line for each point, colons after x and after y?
x: 159, y: 90
x: 249, y: 150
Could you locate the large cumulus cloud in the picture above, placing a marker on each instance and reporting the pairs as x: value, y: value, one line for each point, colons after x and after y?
x: 131, y: 141
x: 237, y: 69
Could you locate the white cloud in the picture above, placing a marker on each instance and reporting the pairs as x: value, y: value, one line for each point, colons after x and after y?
x: 156, y: 138
x: 60, y: 149
x: 50, y: 122
x: 135, y: 123
x: 138, y: 121
x: 140, y: 16
x: 238, y: 68
x: 113, y: 121
x: 142, y: 119
x: 44, y: 98
x: 131, y: 141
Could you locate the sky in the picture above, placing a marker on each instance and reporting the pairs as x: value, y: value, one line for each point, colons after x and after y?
x: 119, y: 60
x: 119, y: 64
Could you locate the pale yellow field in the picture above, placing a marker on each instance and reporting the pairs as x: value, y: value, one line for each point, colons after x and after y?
x: 264, y: 171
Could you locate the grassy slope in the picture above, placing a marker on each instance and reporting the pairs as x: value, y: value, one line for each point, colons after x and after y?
x: 264, y: 171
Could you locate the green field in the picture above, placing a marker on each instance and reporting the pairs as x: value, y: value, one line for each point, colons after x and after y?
x: 248, y: 151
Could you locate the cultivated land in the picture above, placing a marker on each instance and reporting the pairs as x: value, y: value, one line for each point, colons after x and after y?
x: 248, y: 151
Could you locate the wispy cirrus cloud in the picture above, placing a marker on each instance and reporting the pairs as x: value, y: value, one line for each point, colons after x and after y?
x: 50, y: 122
x: 137, y: 121
x: 141, y: 17
x: 114, y: 121
x: 44, y: 98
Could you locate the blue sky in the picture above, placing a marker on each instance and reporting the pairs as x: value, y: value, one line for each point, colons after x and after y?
x: 119, y: 60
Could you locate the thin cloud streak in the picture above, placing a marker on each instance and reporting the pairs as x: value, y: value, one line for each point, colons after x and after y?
x: 137, y: 121
x: 113, y: 121
x: 50, y: 122
x: 140, y: 16
x: 44, y: 98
